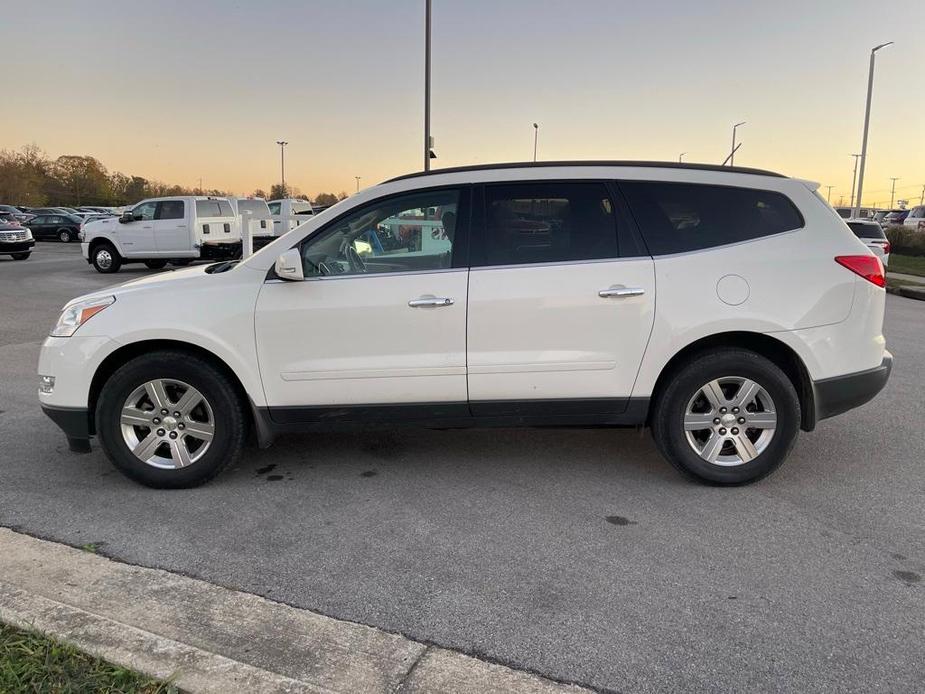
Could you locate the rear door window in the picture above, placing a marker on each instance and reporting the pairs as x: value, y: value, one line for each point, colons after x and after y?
x: 544, y: 222
x: 681, y: 217
x: 169, y: 209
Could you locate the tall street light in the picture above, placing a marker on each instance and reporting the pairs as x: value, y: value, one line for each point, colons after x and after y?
x: 282, y: 165
x: 870, y: 93
x: 536, y: 132
x: 681, y: 156
x: 828, y: 194
x: 427, y: 143
x: 854, y: 179
x: 358, y: 182
x: 732, y: 153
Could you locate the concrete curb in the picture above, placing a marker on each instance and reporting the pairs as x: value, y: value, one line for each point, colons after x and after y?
x: 908, y: 292
x: 211, y: 639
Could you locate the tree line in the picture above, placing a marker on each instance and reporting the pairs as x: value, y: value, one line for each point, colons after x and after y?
x: 29, y: 177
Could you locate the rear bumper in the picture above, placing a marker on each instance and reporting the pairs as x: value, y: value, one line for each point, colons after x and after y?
x: 833, y: 396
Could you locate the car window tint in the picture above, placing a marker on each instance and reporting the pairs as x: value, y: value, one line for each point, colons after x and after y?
x: 400, y: 234
x: 866, y: 231
x: 170, y: 209
x: 547, y: 222
x: 274, y: 207
x: 679, y: 217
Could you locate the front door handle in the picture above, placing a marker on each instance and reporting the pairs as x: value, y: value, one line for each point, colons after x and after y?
x: 618, y: 291
x: 430, y: 301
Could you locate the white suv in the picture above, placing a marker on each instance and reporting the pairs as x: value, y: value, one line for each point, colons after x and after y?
x: 725, y: 308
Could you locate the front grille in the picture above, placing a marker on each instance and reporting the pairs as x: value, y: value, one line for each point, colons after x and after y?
x: 12, y: 235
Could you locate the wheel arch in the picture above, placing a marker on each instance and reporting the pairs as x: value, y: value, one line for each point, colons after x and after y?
x: 126, y: 353
x: 96, y: 241
x: 779, y: 353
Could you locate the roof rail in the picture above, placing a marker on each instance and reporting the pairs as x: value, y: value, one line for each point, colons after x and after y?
x: 625, y: 163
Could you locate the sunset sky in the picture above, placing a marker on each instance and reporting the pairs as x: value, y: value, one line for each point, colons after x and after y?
x: 175, y: 90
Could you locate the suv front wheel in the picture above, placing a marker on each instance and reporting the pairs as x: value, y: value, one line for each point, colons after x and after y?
x: 170, y: 420
x: 727, y: 417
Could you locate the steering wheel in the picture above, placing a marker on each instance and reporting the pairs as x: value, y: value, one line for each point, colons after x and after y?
x: 354, y: 260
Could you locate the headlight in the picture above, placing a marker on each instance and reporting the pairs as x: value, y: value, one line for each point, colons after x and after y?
x: 79, y: 313
x: 28, y: 234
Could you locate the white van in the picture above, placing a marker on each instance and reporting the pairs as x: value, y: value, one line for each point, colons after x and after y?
x: 161, y: 230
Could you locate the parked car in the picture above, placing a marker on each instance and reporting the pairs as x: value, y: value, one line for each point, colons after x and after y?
x: 161, y: 230
x: 15, y: 213
x: 551, y: 294
x: 52, y: 210
x: 871, y: 235
x: 64, y: 227
x: 288, y: 214
x: 95, y: 210
x: 848, y: 213
x: 261, y: 219
x: 15, y: 239
x: 916, y: 218
x: 895, y: 218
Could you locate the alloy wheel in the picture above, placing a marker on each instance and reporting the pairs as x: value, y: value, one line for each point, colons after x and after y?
x: 730, y: 421
x: 167, y: 424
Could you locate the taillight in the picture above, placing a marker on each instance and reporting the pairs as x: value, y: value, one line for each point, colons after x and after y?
x: 867, y: 266
x: 887, y: 248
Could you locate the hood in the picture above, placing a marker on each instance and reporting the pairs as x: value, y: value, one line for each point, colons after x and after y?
x: 171, y: 278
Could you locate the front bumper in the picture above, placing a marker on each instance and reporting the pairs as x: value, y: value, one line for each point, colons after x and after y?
x: 833, y: 396
x: 8, y: 247
x: 73, y: 421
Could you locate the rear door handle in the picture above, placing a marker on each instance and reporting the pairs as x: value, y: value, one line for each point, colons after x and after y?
x: 618, y: 291
x: 430, y: 301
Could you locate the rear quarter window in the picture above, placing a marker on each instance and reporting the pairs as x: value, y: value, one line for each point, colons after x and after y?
x: 681, y: 217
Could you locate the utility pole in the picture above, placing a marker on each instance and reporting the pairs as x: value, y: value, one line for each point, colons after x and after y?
x: 732, y: 153
x: 870, y: 94
x: 200, y: 185
x: 358, y: 182
x: 427, y: 85
x: 282, y: 166
x: 536, y: 132
x: 922, y: 196
x: 854, y: 179
x: 828, y: 194
x: 893, y: 191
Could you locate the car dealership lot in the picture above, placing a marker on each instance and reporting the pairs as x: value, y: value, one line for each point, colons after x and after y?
x: 579, y: 554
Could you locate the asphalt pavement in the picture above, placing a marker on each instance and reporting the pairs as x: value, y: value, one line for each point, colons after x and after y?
x: 576, y: 554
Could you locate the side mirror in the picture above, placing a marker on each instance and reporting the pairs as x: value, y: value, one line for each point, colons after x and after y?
x: 289, y: 265
x: 125, y: 217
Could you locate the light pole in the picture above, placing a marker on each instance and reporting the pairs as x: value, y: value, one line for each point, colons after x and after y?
x: 536, y: 132
x: 854, y: 179
x: 893, y: 191
x: 732, y: 153
x: 681, y: 156
x: 282, y: 167
x: 870, y: 93
x: 828, y: 194
x: 427, y: 85
x: 358, y: 182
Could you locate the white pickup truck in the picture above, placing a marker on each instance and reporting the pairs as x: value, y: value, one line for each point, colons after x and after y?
x: 289, y: 213
x: 178, y: 230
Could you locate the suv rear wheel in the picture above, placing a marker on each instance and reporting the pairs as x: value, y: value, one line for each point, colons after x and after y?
x: 64, y: 236
x: 170, y: 420
x: 105, y: 258
x: 727, y: 417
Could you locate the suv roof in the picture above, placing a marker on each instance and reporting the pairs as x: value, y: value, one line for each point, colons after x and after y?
x: 604, y: 162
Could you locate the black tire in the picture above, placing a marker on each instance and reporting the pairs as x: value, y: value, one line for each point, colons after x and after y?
x: 230, y: 422
x: 64, y: 236
x: 685, y: 382
x: 21, y: 256
x: 105, y: 258
x: 156, y: 264
x: 181, y: 262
